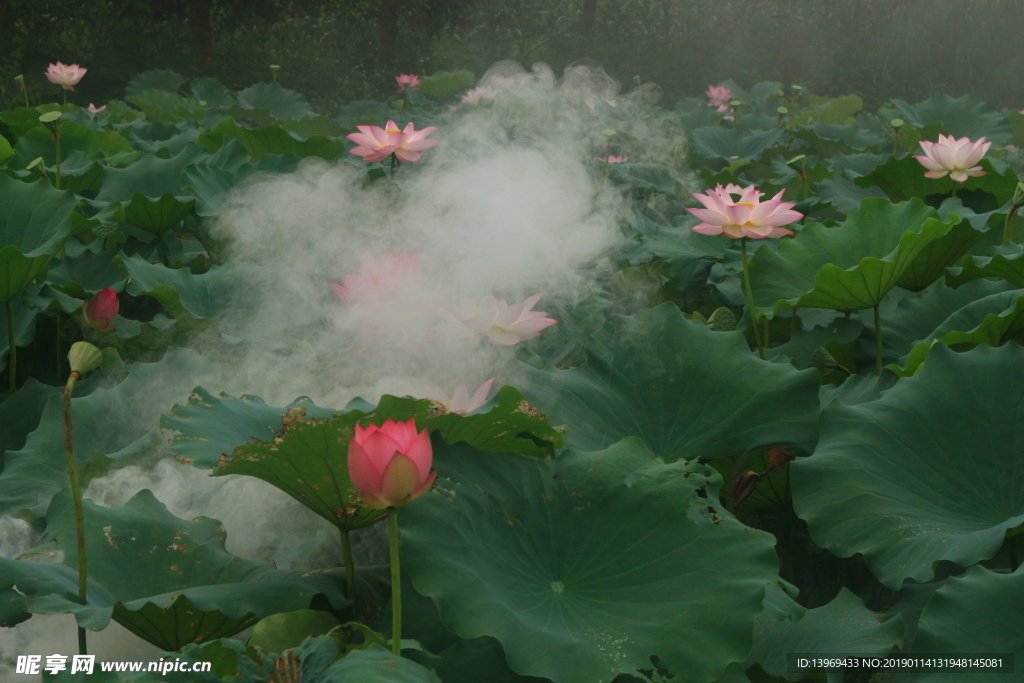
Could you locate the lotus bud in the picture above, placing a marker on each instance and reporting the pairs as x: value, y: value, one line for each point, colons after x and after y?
x: 38, y: 166
x: 84, y: 357
x: 20, y: 80
x: 99, y: 311
x: 824, y: 362
x: 722, y: 320
x: 389, y: 465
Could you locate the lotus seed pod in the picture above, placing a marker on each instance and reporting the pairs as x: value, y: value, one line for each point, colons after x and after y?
x: 822, y: 361
x: 84, y: 357
x: 722, y: 320
x: 105, y: 229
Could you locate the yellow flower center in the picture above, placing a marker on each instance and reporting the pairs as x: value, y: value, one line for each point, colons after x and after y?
x: 750, y: 204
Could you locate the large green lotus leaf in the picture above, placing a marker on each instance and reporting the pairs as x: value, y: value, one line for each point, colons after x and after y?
x: 903, y: 179
x: 279, y: 101
x: 586, y: 566
x: 975, y: 613
x: 843, y: 194
x: 992, y: 320
x: 932, y: 261
x: 844, y: 625
x: 689, y: 254
x: 86, y: 270
x: 157, y: 215
x: 375, y: 665
x: 914, y: 318
x: 38, y: 142
x: 441, y: 85
x: 156, y: 79
x: 963, y: 117
x: 646, y: 177
x: 273, y: 139
x: 6, y: 151
x: 209, y: 427
x: 734, y: 144
x: 34, y: 222
x: 303, y: 449
x: 686, y: 391
x: 151, y: 176
x: 117, y: 422
x: 1006, y: 261
x: 24, y: 329
x: 168, y: 580
x: 210, y: 185
x: 179, y: 290
x: 847, y: 268
x: 905, y: 480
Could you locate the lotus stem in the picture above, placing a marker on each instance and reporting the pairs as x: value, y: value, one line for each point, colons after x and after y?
x: 878, y: 341
x: 1014, y: 559
x: 76, y: 493
x: 12, y: 352
x: 1008, y: 224
x: 396, y: 584
x: 350, y: 567
x: 750, y: 297
x: 767, y: 333
x: 65, y: 97
x: 954, y: 192
x: 24, y: 91
x: 56, y: 142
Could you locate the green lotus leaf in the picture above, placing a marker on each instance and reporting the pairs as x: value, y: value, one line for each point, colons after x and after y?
x: 646, y: 177
x: 844, y: 625
x: 931, y: 263
x: 179, y: 290
x: 281, y: 102
x: 311, y: 126
x: 169, y: 581
x: 280, y: 632
x: 847, y: 268
x: 734, y: 144
x: 150, y: 176
x: 963, y: 117
x: 586, y: 566
x: 157, y: 215
x: 992, y: 320
x: 375, y: 665
x: 441, y: 85
x: 34, y: 222
x: 913, y: 319
x: 24, y: 330
x: 117, y: 422
x: 903, y: 179
x: 978, y: 612
x: 904, y: 480
x: 38, y: 142
x: 209, y: 426
x: 156, y: 79
x: 6, y: 151
x: 86, y: 270
x: 1006, y: 261
x: 272, y: 139
x: 687, y: 391
x: 835, y: 111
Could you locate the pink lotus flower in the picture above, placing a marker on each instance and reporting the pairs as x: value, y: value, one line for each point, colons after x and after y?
x: 379, y: 281
x: 955, y: 158
x: 389, y: 465
x: 504, y: 324
x: 461, y: 402
x: 614, y: 159
x: 719, y: 96
x: 99, y: 311
x: 474, y: 96
x: 65, y: 75
x: 93, y: 109
x: 376, y: 143
x: 746, y: 217
x: 407, y: 82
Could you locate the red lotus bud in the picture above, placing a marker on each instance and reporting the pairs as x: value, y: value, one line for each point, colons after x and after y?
x: 99, y: 311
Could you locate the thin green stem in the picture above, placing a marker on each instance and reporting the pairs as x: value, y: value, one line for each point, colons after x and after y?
x: 12, y: 353
x: 24, y: 91
x: 954, y: 192
x: 878, y: 342
x: 350, y: 567
x: 65, y: 97
x: 76, y: 493
x: 1014, y: 558
x: 750, y: 297
x: 56, y: 141
x: 396, y: 584
x: 1008, y: 225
